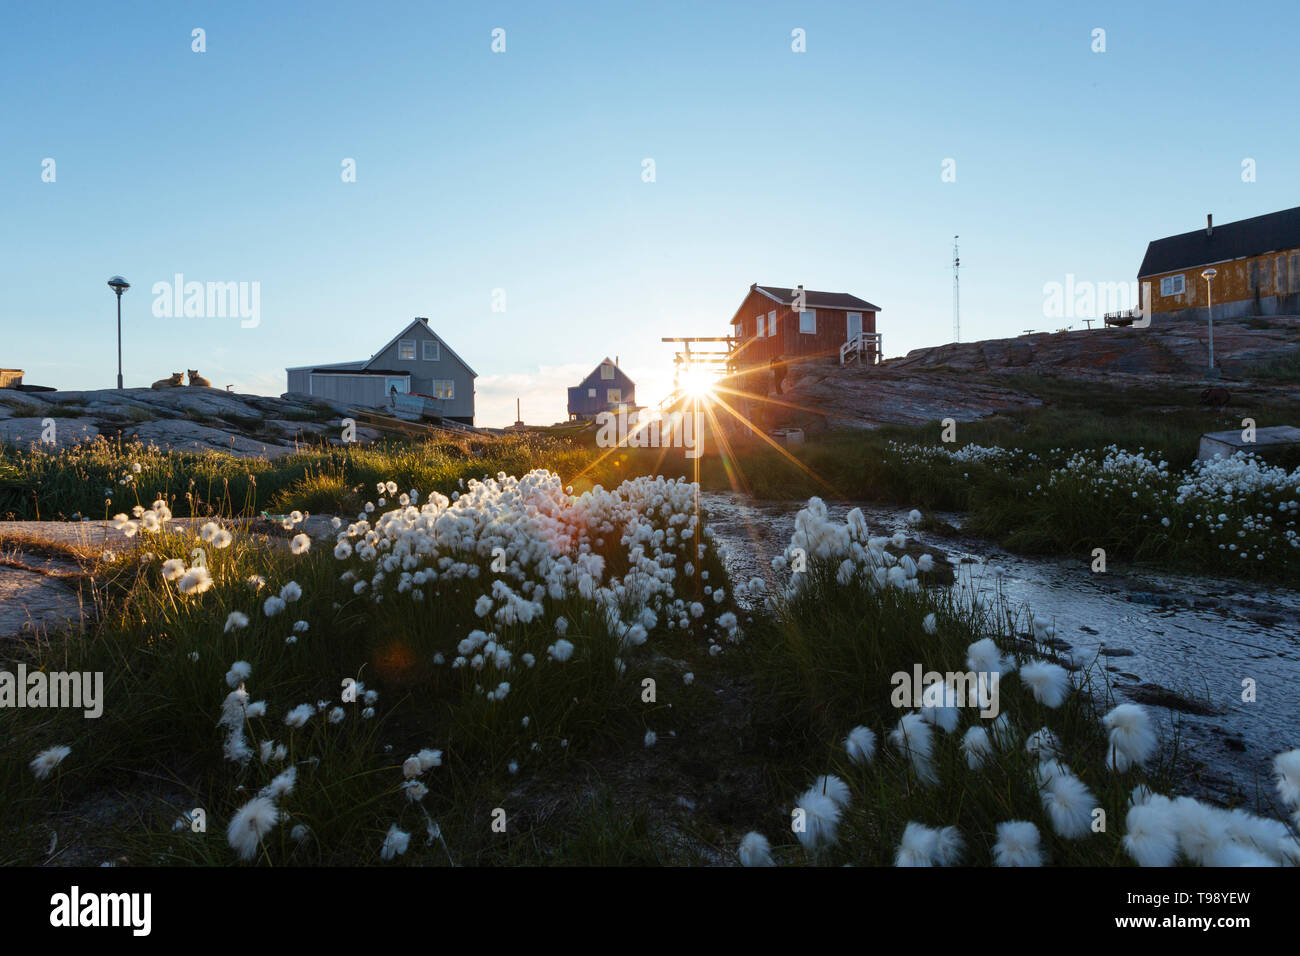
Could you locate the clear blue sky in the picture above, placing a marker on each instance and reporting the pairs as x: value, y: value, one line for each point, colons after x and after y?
x: 522, y: 171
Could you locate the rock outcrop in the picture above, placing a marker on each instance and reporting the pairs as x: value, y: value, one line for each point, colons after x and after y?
x: 972, y: 380
x: 188, y: 419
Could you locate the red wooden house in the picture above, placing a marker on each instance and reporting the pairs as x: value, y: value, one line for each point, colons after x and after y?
x: 767, y: 325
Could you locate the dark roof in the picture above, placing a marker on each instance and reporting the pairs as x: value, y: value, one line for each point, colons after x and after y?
x: 593, y: 375
x: 820, y: 300
x: 357, y: 371
x: 1235, y: 240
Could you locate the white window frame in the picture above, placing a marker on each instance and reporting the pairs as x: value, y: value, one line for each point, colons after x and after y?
x: 606, y: 372
x: 402, y: 384
x: 614, y: 396
x: 402, y: 346
x: 425, y: 348
x: 758, y: 326
x: 806, y: 318
x: 771, y: 323
x: 1173, y: 285
x: 738, y: 330
x: 591, y: 393
x: 441, y: 385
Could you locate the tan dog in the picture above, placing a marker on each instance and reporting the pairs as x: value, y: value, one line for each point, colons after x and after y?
x: 174, y: 382
x: 197, y: 379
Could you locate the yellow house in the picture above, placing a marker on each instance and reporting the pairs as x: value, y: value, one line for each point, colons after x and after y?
x: 1257, y: 262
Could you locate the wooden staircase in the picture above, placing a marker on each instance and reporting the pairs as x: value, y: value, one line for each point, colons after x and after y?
x: 863, y: 347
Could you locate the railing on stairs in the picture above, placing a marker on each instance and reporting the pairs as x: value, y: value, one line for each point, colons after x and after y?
x: 864, y: 345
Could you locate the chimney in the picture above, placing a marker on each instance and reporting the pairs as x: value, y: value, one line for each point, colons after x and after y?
x: 1209, y: 224
x: 615, y: 361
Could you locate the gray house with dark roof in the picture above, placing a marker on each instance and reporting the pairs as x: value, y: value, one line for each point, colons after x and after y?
x: 606, y: 389
x: 1256, y: 263
x: 415, y: 371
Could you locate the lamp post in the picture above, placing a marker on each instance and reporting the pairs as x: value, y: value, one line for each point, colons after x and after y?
x: 1208, y: 275
x: 119, y: 285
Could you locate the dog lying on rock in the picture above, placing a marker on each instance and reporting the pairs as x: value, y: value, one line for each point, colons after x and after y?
x: 174, y: 382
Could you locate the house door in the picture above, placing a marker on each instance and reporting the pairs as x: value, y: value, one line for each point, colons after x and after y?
x: 854, y: 326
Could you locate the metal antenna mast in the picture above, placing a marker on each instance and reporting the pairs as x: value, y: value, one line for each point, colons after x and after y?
x: 956, y: 293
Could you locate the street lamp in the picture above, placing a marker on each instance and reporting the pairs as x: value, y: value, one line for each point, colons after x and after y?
x: 1208, y: 275
x: 119, y: 285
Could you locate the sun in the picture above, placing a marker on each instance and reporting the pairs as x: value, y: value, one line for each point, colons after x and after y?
x: 697, y: 382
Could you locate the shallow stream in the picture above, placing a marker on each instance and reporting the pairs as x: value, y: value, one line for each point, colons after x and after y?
x: 1181, y: 644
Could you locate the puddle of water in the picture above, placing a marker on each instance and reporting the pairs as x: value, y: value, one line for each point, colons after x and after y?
x: 1197, y: 636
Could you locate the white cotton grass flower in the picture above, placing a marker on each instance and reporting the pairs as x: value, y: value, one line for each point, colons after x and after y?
x: 1210, y: 836
x: 939, y: 706
x: 429, y: 759
x: 927, y: 846
x: 1043, y: 744
x: 44, y: 763
x: 1271, y: 837
x: 1069, y: 805
x: 299, y: 716
x: 860, y: 745
x: 914, y: 517
x: 755, y: 850
x: 239, y: 672
x: 1287, y: 768
x: 223, y: 539
x: 1202, y: 830
x: 282, y: 785
x: 930, y: 624
x: 918, y: 847
x: 913, y: 739
x: 651, y: 738
x: 1132, y: 738
x: 950, y: 847
x: 1049, y: 682
x: 835, y: 788
x: 561, y: 650
x: 236, y: 620
x: 984, y: 657
x: 194, y: 581
x: 273, y: 606
x: 411, y: 768
x: 415, y: 791
x: 977, y: 745
x: 300, y: 544
x: 250, y: 824
x: 820, y: 820
x: 300, y: 833
x: 1018, y: 844
x: 291, y: 592
x: 395, y: 843
x: 172, y: 569
x: 1151, y: 833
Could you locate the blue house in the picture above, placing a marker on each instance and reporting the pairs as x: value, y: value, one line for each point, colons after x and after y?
x: 606, y: 389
